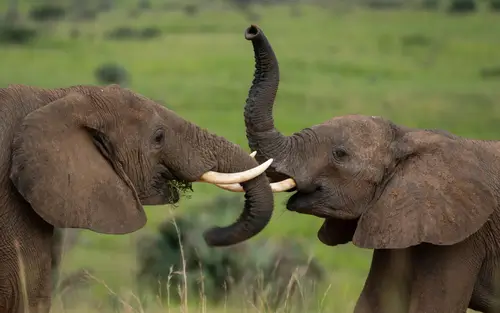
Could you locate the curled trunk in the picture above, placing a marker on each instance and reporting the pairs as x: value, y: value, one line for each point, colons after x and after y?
x: 259, y: 199
x: 216, y: 153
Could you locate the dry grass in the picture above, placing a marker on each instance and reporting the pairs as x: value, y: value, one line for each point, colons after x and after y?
x: 130, y: 302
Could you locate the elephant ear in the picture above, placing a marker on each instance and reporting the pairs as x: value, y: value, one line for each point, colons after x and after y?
x: 62, y: 165
x: 440, y: 193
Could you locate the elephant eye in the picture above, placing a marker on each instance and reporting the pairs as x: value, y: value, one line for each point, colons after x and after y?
x: 339, y: 154
x: 159, y: 137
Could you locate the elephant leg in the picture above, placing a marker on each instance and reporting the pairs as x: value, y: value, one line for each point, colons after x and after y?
x: 386, y: 288
x: 25, y: 265
x: 445, y: 276
x: 486, y: 295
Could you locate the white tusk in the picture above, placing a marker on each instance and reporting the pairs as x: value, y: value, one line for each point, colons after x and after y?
x: 253, y: 154
x: 280, y: 186
x: 283, y: 185
x: 231, y: 178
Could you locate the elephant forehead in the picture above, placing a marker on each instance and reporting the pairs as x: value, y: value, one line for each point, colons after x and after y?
x: 357, y: 127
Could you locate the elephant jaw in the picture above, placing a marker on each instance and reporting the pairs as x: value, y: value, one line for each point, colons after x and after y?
x: 324, y: 233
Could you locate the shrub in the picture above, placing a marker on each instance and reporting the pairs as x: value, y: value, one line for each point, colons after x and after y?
x: 430, y: 4
x: 462, y: 6
x: 149, y: 32
x: 252, y: 266
x: 122, y: 32
x: 47, y: 12
x: 144, y: 5
x: 16, y: 33
x: 191, y: 9
x: 128, y: 33
x: 492, y: 72
x: 384, y: 4
x: 495, y: 5
x: 111, y: 73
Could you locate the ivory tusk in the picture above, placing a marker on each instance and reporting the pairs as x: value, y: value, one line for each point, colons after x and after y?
x: 232, y: 178
x: 280, y: 186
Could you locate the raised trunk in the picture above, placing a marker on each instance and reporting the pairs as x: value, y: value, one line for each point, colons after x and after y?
x: 261, y: 133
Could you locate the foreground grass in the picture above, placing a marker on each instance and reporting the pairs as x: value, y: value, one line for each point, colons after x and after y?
x: 416, y: 68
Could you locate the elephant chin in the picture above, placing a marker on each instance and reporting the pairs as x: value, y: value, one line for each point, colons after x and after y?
x: 160, y: 199
x: 325, y: 233
x: 169, y: 194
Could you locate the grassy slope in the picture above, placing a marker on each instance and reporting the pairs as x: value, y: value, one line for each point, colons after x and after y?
x: 331, y: 64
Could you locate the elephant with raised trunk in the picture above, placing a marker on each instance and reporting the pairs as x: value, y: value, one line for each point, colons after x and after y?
x: 90, y: 157
x: 426, y: 201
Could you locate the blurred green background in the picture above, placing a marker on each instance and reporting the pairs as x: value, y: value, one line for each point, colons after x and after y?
x: 425, y: 63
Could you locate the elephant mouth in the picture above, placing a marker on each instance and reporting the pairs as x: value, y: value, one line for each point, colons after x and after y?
x: 306, y: 203
x: 165, y: 188
x: 319, y: 212
x: 308, y: 200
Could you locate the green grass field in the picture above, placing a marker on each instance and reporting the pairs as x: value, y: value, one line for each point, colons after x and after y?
x: 420, y: 69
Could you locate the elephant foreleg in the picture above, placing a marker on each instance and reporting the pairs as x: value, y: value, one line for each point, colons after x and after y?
x: 444, y: 277
x: 387, y: 286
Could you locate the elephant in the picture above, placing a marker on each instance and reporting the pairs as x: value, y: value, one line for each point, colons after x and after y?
x: 425, y: 201
x: 90, y: 157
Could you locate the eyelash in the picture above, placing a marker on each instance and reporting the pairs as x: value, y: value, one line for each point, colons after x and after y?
x: 159, y: 137
x: 339, y: 154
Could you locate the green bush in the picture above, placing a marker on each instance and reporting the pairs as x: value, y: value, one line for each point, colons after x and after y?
x: 16, y: 34
x: 111, y: 73
x: 47, y: 12
x: 130, y: 33
x: 495, y: 5
x: 144, y: 5
x: 149, y: 32
x: 430, y: 4
x: 384, y: 4
x: 491, y: 72
x: 462, y: 6
x: 191, y: 9
x: 254, y: 267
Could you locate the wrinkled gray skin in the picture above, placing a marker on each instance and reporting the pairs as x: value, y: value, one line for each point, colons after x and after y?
x: 89, y: 157
x: 426, y: 201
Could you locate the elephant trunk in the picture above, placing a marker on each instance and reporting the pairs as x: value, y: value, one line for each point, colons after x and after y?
x: 259, y: 201
x: 202, y: 151
x: 260, y: 130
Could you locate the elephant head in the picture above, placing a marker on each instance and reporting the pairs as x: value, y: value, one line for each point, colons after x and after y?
x: 91, y: 157
x: 376, y: 183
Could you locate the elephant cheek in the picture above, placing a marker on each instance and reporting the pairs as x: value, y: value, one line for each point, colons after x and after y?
x: 325, y: 234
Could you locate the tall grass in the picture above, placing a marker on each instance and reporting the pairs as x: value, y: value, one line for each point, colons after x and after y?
x: 249, y: 300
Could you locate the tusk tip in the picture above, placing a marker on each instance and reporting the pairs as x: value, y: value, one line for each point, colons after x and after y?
x: 268, y: 162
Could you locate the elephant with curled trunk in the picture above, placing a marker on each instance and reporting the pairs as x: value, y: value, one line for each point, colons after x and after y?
x: 90, y: 157
x: 426, y: 201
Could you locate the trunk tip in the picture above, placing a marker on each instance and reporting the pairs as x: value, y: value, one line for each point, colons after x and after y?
x: 252, y: 32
